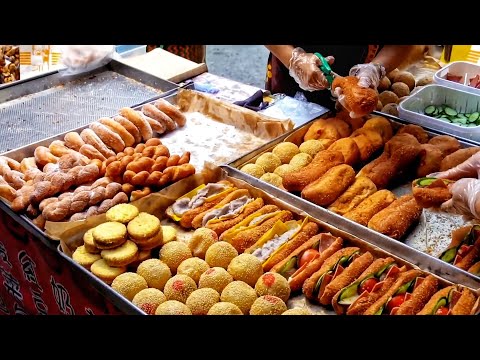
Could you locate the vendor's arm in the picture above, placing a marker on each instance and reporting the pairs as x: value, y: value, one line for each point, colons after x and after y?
x: 392, y: 56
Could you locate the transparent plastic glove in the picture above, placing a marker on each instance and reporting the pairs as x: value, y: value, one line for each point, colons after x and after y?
x: 465, y: 198
x: 369, y: 75
x: 83, y: 58
x: 304, y: 69
x: 470, y: 168
x: 338, y: 93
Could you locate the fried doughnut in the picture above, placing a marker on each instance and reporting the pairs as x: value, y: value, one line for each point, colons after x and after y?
x: 27, y: 164
x: 121, y: 255
x: 7, y: 191
x: 143, y: 227
x: 148, y: 300
x: 89, y: 136
x: 153, y: 142
x: 129, y: 284
x: 43, y: 156
x: 130, y: 127
x: 109, y: 137
x: 109, y: 235
x: 59, y: 149
x: 91, y: 152
x: 179, y: 288
x: 156, y: 151
x: 13, y: 164
x: 73, y: 141
x: 138, y: 194
x: 155, y: 272
x: 116, y: 127
x: 50, y: 167
x: 156, y: 114
x: 139, y: 121
x: 171, y: 111
x: 349, y: 148
x: 84, y: 258
x: 14, y: 179
x: 156, y: 126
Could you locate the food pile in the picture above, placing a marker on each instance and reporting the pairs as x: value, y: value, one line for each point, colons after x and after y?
x: 450, y: 115
x: 395, y: 87
x: 349, y: 166
x: 9, y: 63
x: 112, y: 161
x: 246, y: 256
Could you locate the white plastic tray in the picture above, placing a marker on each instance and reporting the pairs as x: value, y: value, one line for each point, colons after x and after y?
x: 411, y: 109
x: 465, y: 69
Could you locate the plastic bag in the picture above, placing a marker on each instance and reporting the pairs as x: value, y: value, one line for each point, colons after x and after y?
x: 83, y: 58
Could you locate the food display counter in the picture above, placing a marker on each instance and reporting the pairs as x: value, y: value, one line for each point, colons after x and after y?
x: 130, y: 194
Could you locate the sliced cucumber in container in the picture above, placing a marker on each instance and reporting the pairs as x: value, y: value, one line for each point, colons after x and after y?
x: 429, y: 110
x: 449, y: 114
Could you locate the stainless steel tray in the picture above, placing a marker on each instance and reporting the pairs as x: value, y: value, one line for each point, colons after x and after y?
x: 299, y: 300
x: 417, y: 247
x: 37, y: 108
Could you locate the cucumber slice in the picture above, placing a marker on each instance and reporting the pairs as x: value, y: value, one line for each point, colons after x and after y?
x: 461, y: 116
x: 474, y: 117
x: 440, y: 303
x: 451, y: 112
x: 430, y: 110
x: 461, y: 121
x: 349, y: 294
x: 471, y: 125
x: 446, y: 119
x: 425, y: 181
x: 449, y: 254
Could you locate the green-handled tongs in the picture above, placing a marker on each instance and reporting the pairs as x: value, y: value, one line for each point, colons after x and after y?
x: 327, y: 71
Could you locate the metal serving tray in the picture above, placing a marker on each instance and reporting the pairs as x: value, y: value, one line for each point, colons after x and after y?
x: 297, y: 301
x: 411, y: 249
x: 40, y: 107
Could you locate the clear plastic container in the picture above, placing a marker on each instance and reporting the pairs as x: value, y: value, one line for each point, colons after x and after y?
x: 412, y: 109
x: 465, y: 69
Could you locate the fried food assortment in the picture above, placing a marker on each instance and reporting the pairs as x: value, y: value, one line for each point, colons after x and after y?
x: 464, y: 249
x: 431, y: 192
x: 358, y: 100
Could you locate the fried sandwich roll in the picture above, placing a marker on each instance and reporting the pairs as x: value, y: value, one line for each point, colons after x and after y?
x: 387, y: 301
x: 370, y: 206
x: 376, y: 272
x: 431, y: 192
x: 343, y: 277
x: 397, y: 218
x: 200, y: 199
x: 463, y: 250
x: 361, y: 188
x: 451, y: 300
x: 420, y: 296
x: 321, y: 163
x: 342, y: 258
x: 244, y: 238
x: 308, y: 258
x: 330, y: 186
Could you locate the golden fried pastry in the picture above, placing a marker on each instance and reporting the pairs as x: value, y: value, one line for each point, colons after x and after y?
x: 445, y: 143
x: 274, y: 284
x: 121, y: 255
x: 322, y: 162
x: 215, y: 278
x: 201, y: 300
x: 297, y: 311
x: 322, y: 129
x: 397, y: 218
x: 173, y: 253
x: 246, y: 267
x: 330, y: 186
x: 224, y: 308
x: 429, y: 158
x: 109, y: 235
x: 129, y: 284
x: 179, y: 288
x: 359, y: 100
x: 89, y: 243
x: 150, y: 243
x: 202, y: 238
x: 268, y: 162
x: 105, y: 272
x: 271, y: 178
x: 361, y: 188
x: 193, y: 267
x: 84, y: 258
x: 155, y: 272
x: 354, y: 123
x: 142, y: 255
x: 284, y: 169
x: 148, y: 300
x: 370, y: 206
x: 285, y: 152
x: 122, y: 213
x: 380, y: 125
x: 172, y: 307
x: 144, y: 226
x: 349, y: 148
x: 311, y: 147
x: 373, y: 136
x: 253, y: 169
x: 240, y: 294
x: 416, y: 131
x: 431, y: 192
x: 458, y: 157
x: 300, y: 160
x: 268, y: 305
x: 169, y: 233
x: 220, y: 254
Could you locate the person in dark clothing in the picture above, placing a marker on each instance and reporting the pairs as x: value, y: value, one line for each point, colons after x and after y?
x: 294, y: 68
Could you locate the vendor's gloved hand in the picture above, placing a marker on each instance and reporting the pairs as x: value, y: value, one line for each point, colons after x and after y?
x: 369, y: 75
x: 80, y: 58
x: 465, y: 198
x: 338, y: 93
x: 470, y: 168
x: 304, y: 69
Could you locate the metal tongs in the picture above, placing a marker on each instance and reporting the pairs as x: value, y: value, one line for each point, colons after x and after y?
x: 327, y: 71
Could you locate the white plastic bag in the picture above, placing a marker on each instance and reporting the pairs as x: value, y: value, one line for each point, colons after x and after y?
x: 83, y: 58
